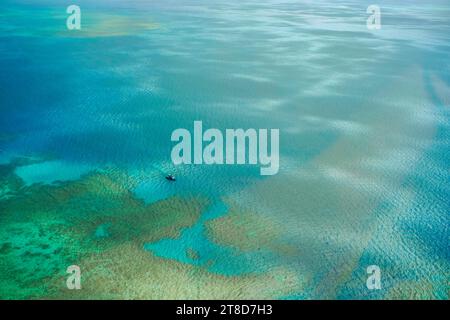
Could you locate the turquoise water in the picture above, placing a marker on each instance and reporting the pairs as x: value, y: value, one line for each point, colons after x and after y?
x: 215, y: 258
x: 51, y: 171
x: 363, y: 118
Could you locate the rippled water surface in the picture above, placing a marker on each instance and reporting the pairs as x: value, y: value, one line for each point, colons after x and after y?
x: 85, y: 125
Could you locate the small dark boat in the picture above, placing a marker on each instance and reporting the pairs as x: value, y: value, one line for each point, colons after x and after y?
x: 170, y: 177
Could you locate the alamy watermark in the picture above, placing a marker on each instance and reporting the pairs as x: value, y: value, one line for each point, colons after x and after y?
x: 73, y: 21
x: 74, y: 280
x: 374, y: 280
x: 233, y: 147
x: 249, y: 146
x: 374, y: 20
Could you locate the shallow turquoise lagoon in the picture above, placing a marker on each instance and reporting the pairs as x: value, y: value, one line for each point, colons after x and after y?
x: 363, y: 118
